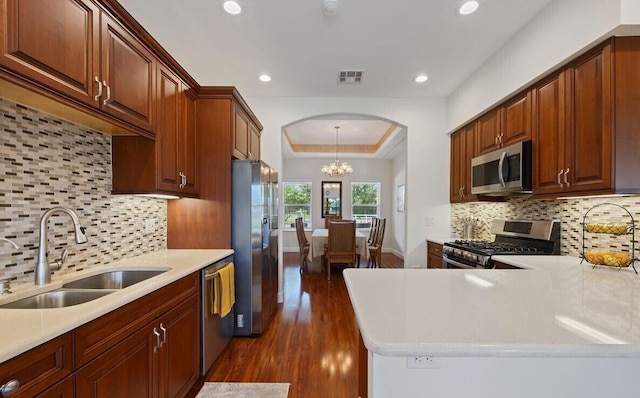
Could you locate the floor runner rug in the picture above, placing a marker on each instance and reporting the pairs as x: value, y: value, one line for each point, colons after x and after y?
x: 244, y: 390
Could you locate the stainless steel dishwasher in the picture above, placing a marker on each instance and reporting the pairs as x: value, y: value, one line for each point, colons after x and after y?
x: 215, y: 330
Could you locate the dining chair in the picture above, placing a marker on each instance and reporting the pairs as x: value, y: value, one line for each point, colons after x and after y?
x: 328, y: 219
x: 375, y: 250
x: 341, y: 244
x: 303, y: 245
x: 372, y: 231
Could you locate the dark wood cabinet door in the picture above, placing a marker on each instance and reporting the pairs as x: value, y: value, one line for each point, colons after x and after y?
x: 188, y: 153
x: 516, y: 119
x: 127, y: 370
x: 129, y: 70
x: 241, y: 135
x: 179, y: 351
x: 457, y: 154
x: 53, y: 43
x: 168, y: 130
x: 254, y: 142
x: 487, y: 132
x: 64, y: 389
x: 549, y: 135
x: 589, y: 85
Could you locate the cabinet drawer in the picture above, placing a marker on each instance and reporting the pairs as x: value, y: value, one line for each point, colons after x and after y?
x: 39, y: 368
x: 434, y: 248
x: 95, y: 337
x: 64, y: 389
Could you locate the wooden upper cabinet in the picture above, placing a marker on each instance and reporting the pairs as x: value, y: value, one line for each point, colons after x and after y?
x: 246, y: 136
x: 516, y: 119
x: 168, y: 129
x: 54, y: 43
x: 128, y: 75
x: 573, y: 127
x: 81, y: 54
x: 254, y: 142
x: 588, y: 152
x: 188, y: 153
x: 549, y: 134
x: 462, y: 151
x: 488, y: 132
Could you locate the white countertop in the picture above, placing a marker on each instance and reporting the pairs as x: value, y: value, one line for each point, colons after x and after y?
x: 555, y: 308
x: 23, y: 329
x: 440, y: 240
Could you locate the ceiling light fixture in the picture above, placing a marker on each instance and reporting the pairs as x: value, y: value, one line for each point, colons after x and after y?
x: 330, y: 7
x: 337, y: 169
x: 421, y: 79
x: 265, y: 78
x: 232, y: 7
x: 468, y: 7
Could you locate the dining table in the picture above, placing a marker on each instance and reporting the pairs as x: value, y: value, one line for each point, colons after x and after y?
x: 319, y: 239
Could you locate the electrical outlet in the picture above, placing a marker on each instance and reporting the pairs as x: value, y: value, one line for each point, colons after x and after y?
x: 149, y: 226
x: 430, y: 221
x: 423, y: 362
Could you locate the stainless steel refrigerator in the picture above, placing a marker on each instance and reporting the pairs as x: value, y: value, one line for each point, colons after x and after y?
x: 254, y: 241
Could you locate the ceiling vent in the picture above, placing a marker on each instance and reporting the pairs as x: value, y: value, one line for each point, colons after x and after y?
x: 350, y: 76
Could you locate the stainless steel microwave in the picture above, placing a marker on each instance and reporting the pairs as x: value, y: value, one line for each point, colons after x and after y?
x: 502, y: 172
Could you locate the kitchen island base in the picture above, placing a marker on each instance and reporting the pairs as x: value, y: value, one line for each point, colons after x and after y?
x: 499, y: 377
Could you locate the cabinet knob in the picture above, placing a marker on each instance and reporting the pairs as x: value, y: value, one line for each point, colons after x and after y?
x: 566, y: 180
x: 9, y: 388
x: 97, y: 97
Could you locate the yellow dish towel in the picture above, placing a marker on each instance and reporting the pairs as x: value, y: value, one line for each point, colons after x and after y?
x: 224, y: 290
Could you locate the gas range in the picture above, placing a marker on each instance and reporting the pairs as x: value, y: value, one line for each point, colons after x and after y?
x: 522, y: 237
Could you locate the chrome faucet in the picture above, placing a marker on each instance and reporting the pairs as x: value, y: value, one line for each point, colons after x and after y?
x: 5, y: 284
x: 43, y: 268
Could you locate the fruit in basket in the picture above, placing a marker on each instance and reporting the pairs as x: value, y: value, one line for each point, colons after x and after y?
x: 616, y: 229
x: 607, y: 258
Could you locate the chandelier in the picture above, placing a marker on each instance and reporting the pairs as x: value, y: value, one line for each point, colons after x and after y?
x: 337, y: 169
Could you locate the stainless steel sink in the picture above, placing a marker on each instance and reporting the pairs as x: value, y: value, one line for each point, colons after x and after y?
x: 113, y: 279
x: 57, y: 299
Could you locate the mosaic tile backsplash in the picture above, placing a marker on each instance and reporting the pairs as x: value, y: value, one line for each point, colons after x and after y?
x: 571, y: 212
x: 45, y: 162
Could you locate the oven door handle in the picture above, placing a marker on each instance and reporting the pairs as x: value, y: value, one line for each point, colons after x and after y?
x: 456, y: 263
x: 500, y: 165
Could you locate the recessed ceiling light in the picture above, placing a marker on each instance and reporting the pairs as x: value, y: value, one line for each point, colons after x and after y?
x: 421, y: 79
x: 265, y: 78
x: 232, y: 7
x: 468, y: 7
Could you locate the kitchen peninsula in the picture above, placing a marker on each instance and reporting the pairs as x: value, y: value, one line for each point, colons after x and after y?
x: 557, y: 328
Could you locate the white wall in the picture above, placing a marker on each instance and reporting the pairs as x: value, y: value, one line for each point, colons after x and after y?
x: 559, y: 32
x: 427, y: 175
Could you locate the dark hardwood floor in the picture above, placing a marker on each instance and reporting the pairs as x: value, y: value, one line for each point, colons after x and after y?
x: 311, y: 342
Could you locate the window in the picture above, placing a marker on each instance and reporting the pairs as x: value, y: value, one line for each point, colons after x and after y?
x: 365, y: 202
x: 297, y: 203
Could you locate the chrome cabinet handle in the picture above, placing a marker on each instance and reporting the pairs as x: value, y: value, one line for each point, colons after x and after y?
x: 9, y: 388
x: 155, y: 348
x: 566, y: 180
x: 183, y: 180
x: 560, y: 175
x: 164, y: 335
x: 462, y: 191
x: 108, y: 92
x: 501, y: 135
x: 97, y: 97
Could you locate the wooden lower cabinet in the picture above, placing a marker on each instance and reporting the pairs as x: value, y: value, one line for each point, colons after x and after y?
x: 63, y: 389
x: 40, y: 368
x: 159, y: 360
x: 434, y: 255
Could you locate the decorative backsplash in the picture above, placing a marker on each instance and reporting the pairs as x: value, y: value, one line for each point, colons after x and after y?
x: 47, y: 162
x: 570, y: 212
